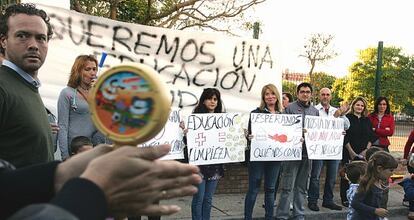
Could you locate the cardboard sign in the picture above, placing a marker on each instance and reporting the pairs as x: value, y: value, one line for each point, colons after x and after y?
x: 215, y: 138
x: 171, y: 134
x: 276, y: 137
x: 324, y: 137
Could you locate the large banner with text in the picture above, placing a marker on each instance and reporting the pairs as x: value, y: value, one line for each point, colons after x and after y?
x: 187, y: 61
x: 324, y: 137
x: 171, y: 134
x: 276, y: 137
x: 215, y: 138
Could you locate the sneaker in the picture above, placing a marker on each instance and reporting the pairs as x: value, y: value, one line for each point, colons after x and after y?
x: 313, y: 207
x: 332, y: 206
x: 405, y: 203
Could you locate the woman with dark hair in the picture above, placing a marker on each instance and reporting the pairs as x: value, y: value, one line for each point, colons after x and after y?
x: 287, y: 98
x: 209, y: 102
x: 73, y: 109
x: 359, y: 137
x: 270, y: 104
x: 382, y: 122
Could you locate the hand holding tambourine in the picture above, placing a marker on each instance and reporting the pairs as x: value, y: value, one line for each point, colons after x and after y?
x: 129, y: 104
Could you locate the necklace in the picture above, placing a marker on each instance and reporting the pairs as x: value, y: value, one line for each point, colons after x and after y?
x: 83, y: 92
x: 84, y: 89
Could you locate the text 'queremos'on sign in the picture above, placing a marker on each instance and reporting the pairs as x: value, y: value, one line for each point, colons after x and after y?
x: 215, y: 138
x: 171, y: 134
x: 187, y: 61
x: 276, y: 137
x: 324, y: 137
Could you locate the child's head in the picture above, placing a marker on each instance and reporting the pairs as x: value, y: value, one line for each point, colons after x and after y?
x: 371, y: 151
x: 210, y: 101
x: 80, y: 144
x: 380, y: 167
x: 355, y: 170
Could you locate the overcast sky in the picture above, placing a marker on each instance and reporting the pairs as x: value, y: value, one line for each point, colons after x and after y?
x: 355, y: 24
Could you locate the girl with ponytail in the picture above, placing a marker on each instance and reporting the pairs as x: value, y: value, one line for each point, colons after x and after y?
x: 371, y: 187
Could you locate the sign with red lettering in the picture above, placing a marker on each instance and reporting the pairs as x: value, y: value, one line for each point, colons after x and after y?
x: 276, y: 137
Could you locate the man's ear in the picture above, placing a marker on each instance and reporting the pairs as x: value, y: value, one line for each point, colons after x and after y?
x: 3, y: 42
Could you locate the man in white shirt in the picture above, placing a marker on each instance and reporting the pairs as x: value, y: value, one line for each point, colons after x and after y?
x: 325, y: 110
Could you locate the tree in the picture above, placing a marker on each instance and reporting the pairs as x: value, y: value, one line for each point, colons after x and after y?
x: 289, y: 87
x: 339, y: 91
x: 396, y: 79
x: 176, y: 14
x: 321, y: 80
x: 318, y: 48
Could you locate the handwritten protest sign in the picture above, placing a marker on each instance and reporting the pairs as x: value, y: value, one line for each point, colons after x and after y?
x: 187, y: 61
x: 276, y: 137
x: 324, y: 137
x: 215, y: 138
x: 171, y: 134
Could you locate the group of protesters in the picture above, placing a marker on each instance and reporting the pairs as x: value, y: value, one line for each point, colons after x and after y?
x: 365, y: 168
x: 365, y: 173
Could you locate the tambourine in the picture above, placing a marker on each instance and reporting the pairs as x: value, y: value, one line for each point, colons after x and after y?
x: 129, y: 103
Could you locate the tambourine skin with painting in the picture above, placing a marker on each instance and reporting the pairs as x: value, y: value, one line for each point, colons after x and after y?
x: 129, y: 103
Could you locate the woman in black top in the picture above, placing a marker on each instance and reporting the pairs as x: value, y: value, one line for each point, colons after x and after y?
x: 358, y: 138
x: 209, y: 102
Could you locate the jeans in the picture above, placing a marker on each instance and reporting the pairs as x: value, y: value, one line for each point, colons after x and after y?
x: 202, y: 200
x: 330, y: 179
x: 270, y: 170
x: 294, y: 179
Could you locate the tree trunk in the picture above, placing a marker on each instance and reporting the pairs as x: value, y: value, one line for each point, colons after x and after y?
x: 112, y: 9
x: 311, y: 72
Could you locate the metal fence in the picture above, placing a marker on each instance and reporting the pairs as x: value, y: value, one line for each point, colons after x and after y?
x: 403, y: 127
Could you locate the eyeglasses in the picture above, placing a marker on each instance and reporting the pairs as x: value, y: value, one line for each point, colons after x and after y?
x: 305, y: 92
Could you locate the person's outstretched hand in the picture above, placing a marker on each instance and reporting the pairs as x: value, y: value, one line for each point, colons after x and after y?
x: 76, y: 165
x: 132, y: 180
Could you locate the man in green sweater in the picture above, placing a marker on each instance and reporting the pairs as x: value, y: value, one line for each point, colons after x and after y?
x: 25, y: 133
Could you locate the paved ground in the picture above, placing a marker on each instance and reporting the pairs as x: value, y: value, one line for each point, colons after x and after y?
x: 230, y: 206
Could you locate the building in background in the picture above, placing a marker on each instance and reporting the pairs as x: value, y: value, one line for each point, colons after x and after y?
x: 294, y: 77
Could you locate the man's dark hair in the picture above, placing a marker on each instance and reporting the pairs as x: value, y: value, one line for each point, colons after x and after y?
x: 24, y: 8
x: 304, y: 84
x: 355, y: 170
x: 79, y: 142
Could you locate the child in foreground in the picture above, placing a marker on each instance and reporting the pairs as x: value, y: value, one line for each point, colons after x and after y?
x: 80, y: 144
x: 353, y: 172
x: 408, y: 184
x: 367, y: 200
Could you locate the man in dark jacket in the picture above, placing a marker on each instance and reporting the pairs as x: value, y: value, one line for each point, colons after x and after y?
x: 295, y: 174
x: 25, y: 133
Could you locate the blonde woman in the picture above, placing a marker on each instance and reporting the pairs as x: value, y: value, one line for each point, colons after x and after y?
x: 359, y: 137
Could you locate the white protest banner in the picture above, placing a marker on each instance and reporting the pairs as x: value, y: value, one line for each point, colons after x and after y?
x: 171, y: 134
x: 324, y: 137
x: 187, y: 61
x: 276, y: 137
x: 215, y: 138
